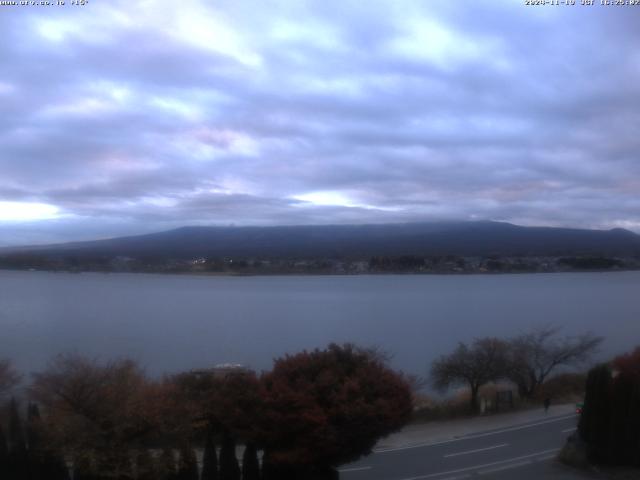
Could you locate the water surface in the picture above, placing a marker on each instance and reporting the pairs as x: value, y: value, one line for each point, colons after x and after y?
x: 171, y: 323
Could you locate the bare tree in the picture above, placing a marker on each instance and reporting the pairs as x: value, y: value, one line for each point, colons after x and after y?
x: 9, y: 377
x: 534, y: 355
x: 96, y: 410
x: 475, y: 365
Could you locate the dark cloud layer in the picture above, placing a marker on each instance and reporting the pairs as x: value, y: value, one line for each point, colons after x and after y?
x: 125, y: 117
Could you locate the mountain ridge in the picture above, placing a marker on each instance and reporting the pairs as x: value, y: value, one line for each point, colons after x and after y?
x: 354, y: 241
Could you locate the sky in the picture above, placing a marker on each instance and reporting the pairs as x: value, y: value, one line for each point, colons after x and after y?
x: 120, y: 117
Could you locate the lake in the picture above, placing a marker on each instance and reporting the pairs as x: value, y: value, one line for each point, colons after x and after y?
x: 171, y: 323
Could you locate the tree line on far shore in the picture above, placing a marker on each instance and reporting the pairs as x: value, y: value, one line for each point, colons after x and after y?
x: 311, y: 413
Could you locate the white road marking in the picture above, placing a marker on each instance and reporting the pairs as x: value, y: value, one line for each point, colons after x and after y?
x: 569, y: 429
x: 472, y: 436
x: 477, y: 467
x: 505, y: 467
x: 354, y: 469
x: 546, y: 457
x: 476, y: 450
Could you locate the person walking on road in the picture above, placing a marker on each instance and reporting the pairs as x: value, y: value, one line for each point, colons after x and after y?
x: 547, y: 404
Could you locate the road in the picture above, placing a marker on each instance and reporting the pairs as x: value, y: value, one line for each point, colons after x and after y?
x: 525, y: 452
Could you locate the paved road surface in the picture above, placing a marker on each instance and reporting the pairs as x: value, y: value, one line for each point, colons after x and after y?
x: 522, y: 452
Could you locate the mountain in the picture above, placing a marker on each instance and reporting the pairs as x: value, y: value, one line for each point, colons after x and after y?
x: 357, y: 241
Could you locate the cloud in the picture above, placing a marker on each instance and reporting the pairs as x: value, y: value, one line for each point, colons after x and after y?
x: 126, y: 118
x: 25, y: 211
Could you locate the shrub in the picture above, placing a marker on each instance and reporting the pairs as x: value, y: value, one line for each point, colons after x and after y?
x: 610, y: 421
x: 563, y: 387
x: 328, y: 407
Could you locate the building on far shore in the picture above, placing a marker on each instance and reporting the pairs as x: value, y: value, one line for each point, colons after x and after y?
x: 223, y: 370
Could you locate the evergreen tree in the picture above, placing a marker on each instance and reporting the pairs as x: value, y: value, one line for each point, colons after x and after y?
x: 620, y: 439
x: 250, y: 464
x: 16, y: 434
x: 44, y: 462
x: 145, y: 466
x: 610, y: 422
x: 594, y: 422
x: 625, y: 419
x: 18, y: 461
x: 34, y: 441
x: 124, y: 466
x: 4, y: 455
x: 85, y: 469
x: 274, y: 471
x: 210, y: 459
x: 188, y: 464
x: 267, y: 471
x: 634, y: 425
x: 166, y: 465
x: 229, y: 468
x: 55, y: 468
x: 35, y: 454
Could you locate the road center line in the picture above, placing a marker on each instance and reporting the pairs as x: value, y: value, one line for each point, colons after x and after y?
x: 354, y: 469
x: 472, y: 436
x: 504, y: 467
x: 484, y: 465
x: 546, y: 457
x: 476, y: 450
x: 569, y: 429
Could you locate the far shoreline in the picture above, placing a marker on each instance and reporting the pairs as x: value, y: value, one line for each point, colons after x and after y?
x: 316, y: 274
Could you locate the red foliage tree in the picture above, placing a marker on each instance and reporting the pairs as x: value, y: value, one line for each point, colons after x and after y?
x: 328, y: 407
x: 208, y: 403
x: 629, y: 364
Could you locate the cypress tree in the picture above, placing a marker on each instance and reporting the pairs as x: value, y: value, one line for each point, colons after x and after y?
x: 585, y: 424
x: 250, y: 464
x: 4, y: 455
x: 18, y: 461
x: 145, y: 466
x: 267, y: 470
x: 594, y: 422
x: 272, y: 471
x: 83, y: 469
x: 188, y: 464
x: 56, y: 468
x: 210, y: 459
x: 166, y: 465
x: 34, y: 441
x: 44, y: 462
x: 619, y: 437
x: 324, y: 474
x: 124, y: 466
x: 229, y: 468
x: 610, y: 422
x: 634, y: 425
x: 16, y: 434
x: 36, y: 458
